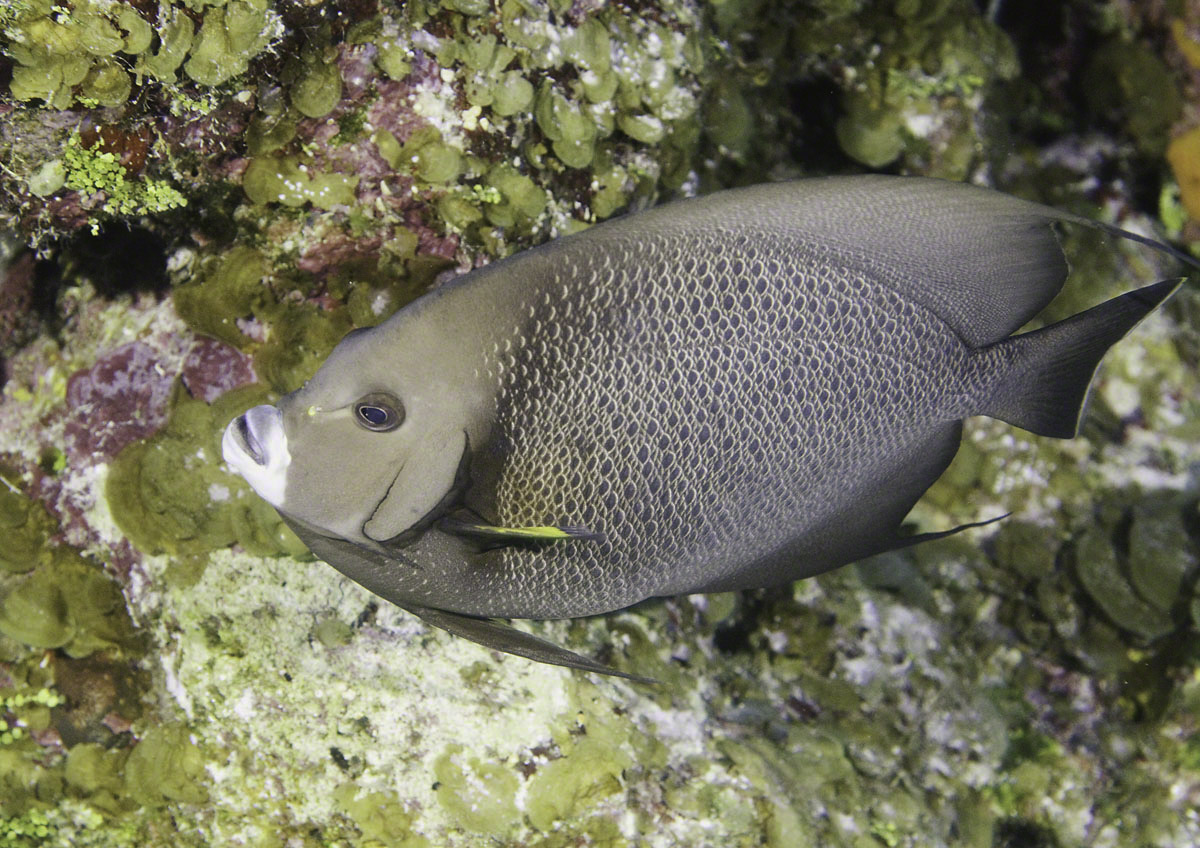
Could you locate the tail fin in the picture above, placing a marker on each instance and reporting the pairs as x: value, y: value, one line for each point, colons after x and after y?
x: 1046, y: 385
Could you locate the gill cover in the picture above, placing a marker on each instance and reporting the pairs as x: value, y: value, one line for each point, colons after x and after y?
x: 425, y: 484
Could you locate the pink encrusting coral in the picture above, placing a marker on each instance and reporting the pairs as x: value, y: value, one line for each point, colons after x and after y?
x: 125, y: 395
x: 120, y: 399
x: 213, y: 368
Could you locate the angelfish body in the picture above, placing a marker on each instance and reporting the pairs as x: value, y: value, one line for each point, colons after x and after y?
x: 729, y: 392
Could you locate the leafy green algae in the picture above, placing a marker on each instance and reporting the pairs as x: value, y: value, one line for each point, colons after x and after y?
x: 166, y: 766
x: 73, y: 617
x: 317, y: 87
x: 237, y: 288
x: 90, y: 170
x: 379, y: 817
x: 291, y: 182
x: 58, y: 47
x: 170, y: 496
x: 478, y: 794
x: 233, y: 32
x: 63, y: 600
x: 25, y: 524
x: 66, y: 603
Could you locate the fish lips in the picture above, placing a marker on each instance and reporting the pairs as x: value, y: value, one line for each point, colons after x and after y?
x: 254, y: 445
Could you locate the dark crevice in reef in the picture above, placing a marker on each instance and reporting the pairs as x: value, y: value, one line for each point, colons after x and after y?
x: 119, y: 260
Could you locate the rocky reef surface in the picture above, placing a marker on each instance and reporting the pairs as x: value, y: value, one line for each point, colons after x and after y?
x: 200, y: 197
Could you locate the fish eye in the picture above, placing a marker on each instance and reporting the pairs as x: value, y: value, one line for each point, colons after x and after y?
x: 379, y: 412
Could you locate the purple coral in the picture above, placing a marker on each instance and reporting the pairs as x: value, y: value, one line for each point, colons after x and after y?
x: 120, y: 399
x: 213, y: 368
x: 124, y: 396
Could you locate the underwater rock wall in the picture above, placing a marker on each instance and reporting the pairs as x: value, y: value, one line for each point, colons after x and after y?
x: 200, y: 197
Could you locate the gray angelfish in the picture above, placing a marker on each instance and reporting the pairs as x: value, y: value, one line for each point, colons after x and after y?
x: 729, y: 392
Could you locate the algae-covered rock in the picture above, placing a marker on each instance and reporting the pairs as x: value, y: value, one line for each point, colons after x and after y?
x: 25, y: 526
x: 169, y: 493
x: 478, y: 795
x: 166, y: 766
x: 68, y: 603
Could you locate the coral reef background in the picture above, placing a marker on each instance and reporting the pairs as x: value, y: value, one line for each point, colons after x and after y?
x: 198, y: 198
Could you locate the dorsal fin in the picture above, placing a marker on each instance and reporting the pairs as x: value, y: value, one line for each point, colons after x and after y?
x: 983, y: 261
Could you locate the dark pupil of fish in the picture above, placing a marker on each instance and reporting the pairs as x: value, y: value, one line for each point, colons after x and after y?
x: 374, y: 416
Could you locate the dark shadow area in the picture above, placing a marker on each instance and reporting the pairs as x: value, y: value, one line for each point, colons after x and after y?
x: 118, y: 260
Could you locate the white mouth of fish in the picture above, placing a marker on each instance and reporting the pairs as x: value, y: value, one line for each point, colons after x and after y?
x: 255, y: 446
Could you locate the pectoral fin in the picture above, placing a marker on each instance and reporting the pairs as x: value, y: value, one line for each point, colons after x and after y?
x: 431, y: 480
x: 501, y: 637
x: 492, y: 535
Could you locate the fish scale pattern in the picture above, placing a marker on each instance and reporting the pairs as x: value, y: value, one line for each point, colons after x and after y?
x: 701, y: 402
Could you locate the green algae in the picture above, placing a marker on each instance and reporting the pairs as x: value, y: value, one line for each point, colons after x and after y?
x: 1130, y: 85
x: 175, y: 36
x: 166, y: 766
x: 238, y: 287
x: 274, y: 123
x: 393, y: 59
x: 89, y: 44
x: 92, y: 768
x: 424, y: 155
x: 25, y: 525
x: 138, y: 32
x: 1099, y: 570
x: 773, y: 776
x: 317, y: 87
x: 588, y: 773
x: 25, y: 831
x: 871, y: 133
x: 67, y: 602
x: 507, y: 93
x: 234, y: 289
x: 293, y: 182
x: 520, y: 201
x: 73, y: 619
x: 169, y: 494
x: 301, y: 338
x: 571, y: 131
x: 232, y: 33
x: 1162, y: 559
x: 379, y: 816
x: 477, y: 794
x: 91, y: 170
